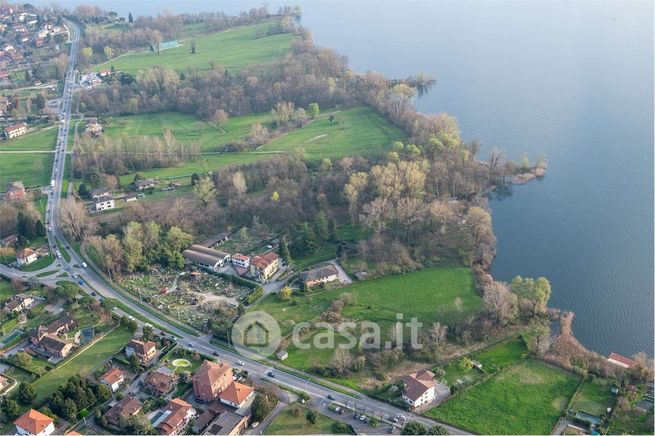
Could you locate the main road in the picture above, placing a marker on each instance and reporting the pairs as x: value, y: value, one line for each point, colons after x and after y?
x: 92, y: 283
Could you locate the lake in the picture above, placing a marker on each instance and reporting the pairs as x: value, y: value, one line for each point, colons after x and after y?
x: 571, y: 80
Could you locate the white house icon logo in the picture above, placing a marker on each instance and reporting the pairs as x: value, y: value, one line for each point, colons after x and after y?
x: 256, y: 335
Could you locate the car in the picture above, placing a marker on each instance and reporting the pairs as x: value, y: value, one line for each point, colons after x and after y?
x: 330, y: 397
x: 240, y: 362
x: 49, y: 228
x: 131, y: 318
x: 215, y: 353
x: 75, y: 275
x: 93, y: 293
x: 271, y: 374
x: 255, y: 424
x: 81, y: 282
x: 363, y: 418
x: 84, y: 265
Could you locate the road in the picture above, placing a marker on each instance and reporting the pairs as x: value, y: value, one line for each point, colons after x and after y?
x: 93, y: 283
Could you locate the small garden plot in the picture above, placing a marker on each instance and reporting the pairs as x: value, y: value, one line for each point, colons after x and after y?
x: 501, y: 355
x: 525, y: 399
x: 594, y: 397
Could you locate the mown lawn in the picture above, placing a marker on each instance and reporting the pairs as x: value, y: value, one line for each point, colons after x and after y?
x: 234, y: 49
x: 594, y: 397
x: 525, y: 399
x: 82, y: 363
x: 292, y: 421
x: 435, y: 294
x: 33, y: 169
x: 501, y: 355
x: 42, y: 140
x: 39, y: 264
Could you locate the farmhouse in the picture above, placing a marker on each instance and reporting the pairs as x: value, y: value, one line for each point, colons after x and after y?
x: 15, y: 130
x: 263, y: 267
x: 15, y: 191
x: 125, y: 408
x: 18, y: 302
x: 324, y: 274
x: 210, y: 380
x: 145, y: 351
x: 113, y: 379
x: 104, y: 203
x: 207, y: 257
x: 175, y: 417
x: 26, y: 256
x: 144, y: 184
x: 622, y: 361
x: 419, y: 389
x: 34, y: 423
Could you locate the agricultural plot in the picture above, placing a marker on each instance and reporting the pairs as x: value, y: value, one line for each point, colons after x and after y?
x: 234, y: 49
x: 525, y: 399
x: 33, y: 169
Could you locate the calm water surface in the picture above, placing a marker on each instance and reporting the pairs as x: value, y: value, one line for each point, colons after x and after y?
x: 571, y: 80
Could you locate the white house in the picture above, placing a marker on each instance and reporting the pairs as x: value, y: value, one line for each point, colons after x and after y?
x: 34, y: 423
x: 419, y: 389
x: 26, y: 256
x: 104, y: 203
x: 236, y: 394
x: 240, y: 260
x: 113, y: 379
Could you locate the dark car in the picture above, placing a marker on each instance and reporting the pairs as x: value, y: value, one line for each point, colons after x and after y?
x: 271, y: 374
x: 331, y: 397
x: 215, y: 353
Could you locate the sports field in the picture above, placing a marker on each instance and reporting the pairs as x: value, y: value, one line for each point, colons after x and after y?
x: 234, y: 49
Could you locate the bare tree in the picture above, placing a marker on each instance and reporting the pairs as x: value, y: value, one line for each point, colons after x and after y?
x: 500, y: 302
x: 73, y: 219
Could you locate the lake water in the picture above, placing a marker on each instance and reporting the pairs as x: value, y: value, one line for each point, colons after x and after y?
x: 571, y: 80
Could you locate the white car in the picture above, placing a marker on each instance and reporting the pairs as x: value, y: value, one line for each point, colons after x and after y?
x: 84, y: 265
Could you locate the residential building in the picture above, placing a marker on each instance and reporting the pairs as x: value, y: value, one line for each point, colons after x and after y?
x: 145, y: 351
x: 236, y: 394
x: 622, y: 361
x: 125, y: 408
x: 228, y: 423
x: 15, y: 130
x: 113, y: 379
x: 206, y: 257
x: 240, y: 260
x: 419, y: 389
x: 318, y: 276
x: 55, y: 346
x: 144, y: 184
x: 99, y: 192
x: 210, y: 380
x: 9, y: 241
x: 62, y: 325
x: 34, y: 423
x: 176, y: 415
x: 18, y: 302
x: 104, y: 203
x: 263, y: 267
x: 161, y: 383
x: 26, y: 256
x: 15, y: 191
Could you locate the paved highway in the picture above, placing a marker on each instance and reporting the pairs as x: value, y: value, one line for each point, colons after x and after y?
x: 91, y: 282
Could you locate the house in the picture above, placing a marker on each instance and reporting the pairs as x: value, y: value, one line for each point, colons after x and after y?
x: 622, y: 361
x: 34, y: 423
x: 236, y: 394
x: 123, y: 410
x: 132, y: 196
x: 240, y: 260
x: 210, y: 380
x: 144, y: 184
x: 113, y: 379
x: 55, y: 346
x: 161, y: 383
x: 282, y: 355
x: 18, y: 302
x: 419, y: 389
x: 175, y: 417
x: 62, y: 325
x: 228, y: 423
x: 15, y: 191
x: 104, y: 203
x: 324, y: 274
x: 15, y: 130
x: 207, y: 257
x: 145, y: 351
x: 4, y: 383
x: 263, y: 267
x: 99, y: 193
x: 9, y: 241
x: 26, y: 256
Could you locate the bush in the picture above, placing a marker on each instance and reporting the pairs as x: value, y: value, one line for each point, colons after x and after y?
x: 254, y: 296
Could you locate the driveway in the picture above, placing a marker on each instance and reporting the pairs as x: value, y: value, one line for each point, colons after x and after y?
x: 343, y: 277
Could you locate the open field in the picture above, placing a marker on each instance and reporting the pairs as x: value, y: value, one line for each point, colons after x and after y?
x: 525, y: 399
x: 42, y: 140
x: 32, y: 168
x: 435, y: 294
x: 234, y: 49
x: 288, y: 423
x: 82, y: 363
x: 594, y: 397
x: 502, y: 355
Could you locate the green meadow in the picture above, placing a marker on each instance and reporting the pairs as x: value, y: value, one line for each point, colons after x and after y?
x: 43, y: 140
x: 32, y: 168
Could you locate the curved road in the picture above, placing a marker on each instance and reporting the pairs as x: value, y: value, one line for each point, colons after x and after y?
x: 92, y: 282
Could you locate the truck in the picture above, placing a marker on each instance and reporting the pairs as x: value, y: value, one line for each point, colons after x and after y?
x: 52, y: 184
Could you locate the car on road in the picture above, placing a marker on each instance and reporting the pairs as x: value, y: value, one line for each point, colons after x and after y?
x: 81, y: 282
x: 240, y: 362
x: 93, y: 293
x: 215, y: 353
x: 75, y: 275
x: 271, y: 374
x: 49, y: 228
x: 330, y: 397
x: 84, y: 265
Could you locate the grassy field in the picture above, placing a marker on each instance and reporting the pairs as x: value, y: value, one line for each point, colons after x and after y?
x: 288, y: 423
x: 82, y: 363
x: 502, y: 355
x: 234, y: 49
x: 594, y: 397
x: 5, y: 290
x: 39, y: 264
x: 43, y: 140
x: 525, y: 399
x: 33, y: 169
x: 435, y: 294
